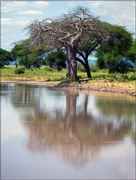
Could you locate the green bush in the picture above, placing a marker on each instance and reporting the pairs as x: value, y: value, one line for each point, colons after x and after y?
x: 133, y: 77
x: 113, y: 76
x: 20, y: 70
x: 125, y: 76
x: 47, y: 68
x: 111, y: 70
x: 133, y: 69
x: 103, y: 76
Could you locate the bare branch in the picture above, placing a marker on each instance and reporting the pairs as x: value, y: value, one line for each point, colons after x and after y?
x: 66, y: 29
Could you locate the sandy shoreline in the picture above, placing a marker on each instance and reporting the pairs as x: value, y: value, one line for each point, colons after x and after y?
x: 51, y: 84
x: 64, y: 85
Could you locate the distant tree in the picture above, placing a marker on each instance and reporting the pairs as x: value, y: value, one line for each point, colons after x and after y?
x: 57, y: 59
x: 67, y: 31
x: 116, y: 56
x: 26, y: 56
x: 5, y: 58
x: 15, y: 53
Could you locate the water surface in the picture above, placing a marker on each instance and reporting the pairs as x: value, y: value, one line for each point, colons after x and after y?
x: 50, y: 134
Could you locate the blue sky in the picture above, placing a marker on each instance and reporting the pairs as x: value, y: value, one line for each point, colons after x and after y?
x: 15, y: 15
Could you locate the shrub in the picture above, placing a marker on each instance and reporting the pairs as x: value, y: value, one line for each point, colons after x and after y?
x: 125, y: 76
x: 103, y: 76
x: 113, y: 76
x: 20, y: 70
x: 133, y: 69
x: 133, y: 77
x: 47, y: 68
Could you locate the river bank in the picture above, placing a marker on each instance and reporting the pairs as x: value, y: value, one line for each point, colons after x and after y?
x: 97, y: 85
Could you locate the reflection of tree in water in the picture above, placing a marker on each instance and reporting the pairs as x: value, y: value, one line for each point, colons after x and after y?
x: 4, y: 89
x: 76, y: 137
x: 119, y: 107
x: 115, y: 106
x: 23, y: 96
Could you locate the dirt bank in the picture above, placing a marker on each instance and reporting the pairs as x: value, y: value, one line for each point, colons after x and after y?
x: 98, y: 85
x: 51, y: 84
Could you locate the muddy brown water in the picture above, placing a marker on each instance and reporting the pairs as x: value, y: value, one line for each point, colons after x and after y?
x: 51, y: 134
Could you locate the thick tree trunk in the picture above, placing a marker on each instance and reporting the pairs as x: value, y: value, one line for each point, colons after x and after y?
x: 68, y: 73
x: 71, y: 62
x: 71, y: 113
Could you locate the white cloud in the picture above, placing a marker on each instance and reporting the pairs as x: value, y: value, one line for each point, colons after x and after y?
x: 29, y: 12
x: 40, y: 4
x: 11, y: 6
x: 121, y: 13
x: 71, y: 4
x: 17, y: 21
x: 17, y: 6
x: 124, y: 19
x: 128, y: 18
x: 6, y: 20
x: 95, y: 4
x: 21, y: 22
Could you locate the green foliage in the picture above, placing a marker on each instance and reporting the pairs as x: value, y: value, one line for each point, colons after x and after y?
x: 20, y: 70
x: 5, y: 58
x: 56, y: 59
x: 133, y: 77
x: 132, y: 52
x: 117, y: 58
x: 100, y: 61
x: 125, y: 76
x: 117, y: 55
x: 26, y: 57
x: 48, y: 69
x: 133, y: 69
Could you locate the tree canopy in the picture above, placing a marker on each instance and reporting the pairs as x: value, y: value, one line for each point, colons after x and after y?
x: 5, y: 58
x: 26, y: 56
x: 119, y: 56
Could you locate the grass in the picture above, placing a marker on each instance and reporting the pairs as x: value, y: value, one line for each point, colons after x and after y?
x: 45, y: 73
x: 42, y: 74
x: 100, y: 78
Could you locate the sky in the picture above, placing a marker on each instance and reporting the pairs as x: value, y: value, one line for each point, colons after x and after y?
x: 15, y: 15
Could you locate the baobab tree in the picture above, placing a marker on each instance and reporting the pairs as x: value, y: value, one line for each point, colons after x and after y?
x: 66, y: 31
